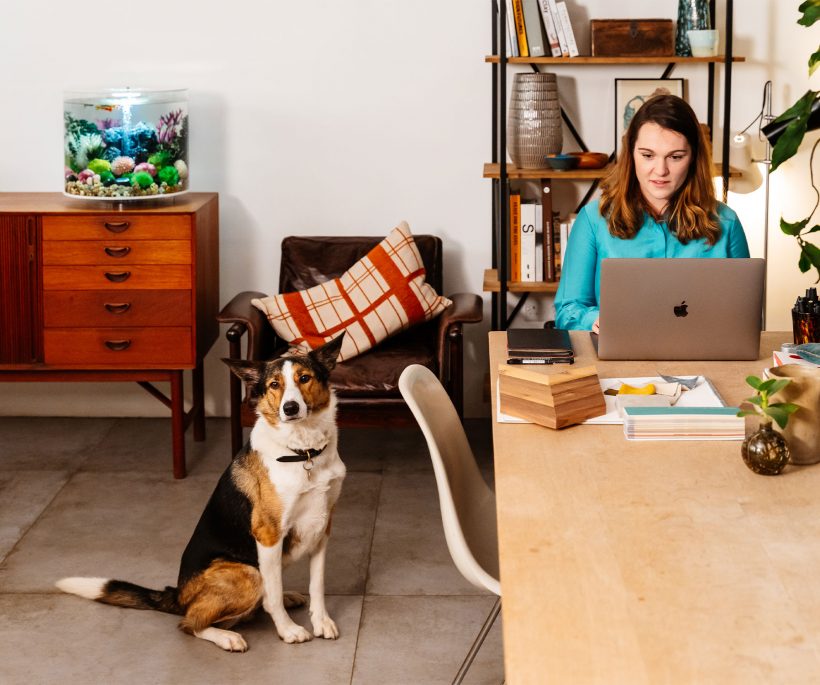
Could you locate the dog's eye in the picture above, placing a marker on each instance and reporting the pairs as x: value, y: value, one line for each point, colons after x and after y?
x: 274, y: 385
x: 304, y: 378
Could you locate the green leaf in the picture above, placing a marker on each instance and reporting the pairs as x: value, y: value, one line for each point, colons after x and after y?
x: 814, y: 60
x: 765, y: 388
x: 756, y: 400
x: 814, y: 230
x: 780, y: 416
x: 754, y: 381
x: 788, y: 407
x: 790, y: 139
x: 812, y: 255
x: 746, y: 412
x: 795, y: 228
x: 777, y: 385
x: 803, y: 263
x: 810, y: 9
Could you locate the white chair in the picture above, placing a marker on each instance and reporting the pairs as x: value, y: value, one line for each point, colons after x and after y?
x: 467, y: 503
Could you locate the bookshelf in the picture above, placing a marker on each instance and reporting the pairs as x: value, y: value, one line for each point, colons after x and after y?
x: 496, y: 279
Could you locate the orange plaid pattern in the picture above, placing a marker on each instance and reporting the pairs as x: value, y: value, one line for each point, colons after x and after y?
x: 381, y: 294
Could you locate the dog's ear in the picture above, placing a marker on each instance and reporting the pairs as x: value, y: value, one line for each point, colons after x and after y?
x: 327, y: 354
x: 250, y: 372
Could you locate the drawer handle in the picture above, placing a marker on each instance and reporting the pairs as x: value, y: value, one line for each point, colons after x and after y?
x: 117, y: 252
x: 118, y: 345
x: 117, y: 276
x: 118, y: 307
x: 117, y: 226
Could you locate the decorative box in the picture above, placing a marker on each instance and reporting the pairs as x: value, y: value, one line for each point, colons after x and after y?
x: 632, y: 37
x: 554, y: 400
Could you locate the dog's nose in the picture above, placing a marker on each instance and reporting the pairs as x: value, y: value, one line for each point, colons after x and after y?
x: 290, y: 408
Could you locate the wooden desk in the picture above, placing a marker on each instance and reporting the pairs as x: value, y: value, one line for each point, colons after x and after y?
x: 653, y: 562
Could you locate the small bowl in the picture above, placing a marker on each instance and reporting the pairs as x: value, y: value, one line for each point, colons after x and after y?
x: 591, y: 160
x: 562, y: 162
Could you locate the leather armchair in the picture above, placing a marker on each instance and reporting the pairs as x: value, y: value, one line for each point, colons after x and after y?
x: 367, y: 386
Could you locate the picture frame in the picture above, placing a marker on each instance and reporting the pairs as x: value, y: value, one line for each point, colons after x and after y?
x: 631, y: 93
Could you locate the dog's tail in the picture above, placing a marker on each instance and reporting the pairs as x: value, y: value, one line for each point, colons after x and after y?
x: 123, y: 594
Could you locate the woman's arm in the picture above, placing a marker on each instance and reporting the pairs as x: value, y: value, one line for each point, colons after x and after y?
x: 576, y: 306
x: 736, y: 245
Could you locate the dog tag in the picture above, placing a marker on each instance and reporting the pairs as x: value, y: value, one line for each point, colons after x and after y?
x: 307, y: 466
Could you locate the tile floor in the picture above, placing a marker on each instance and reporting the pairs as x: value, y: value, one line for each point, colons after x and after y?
x: 95, y: 497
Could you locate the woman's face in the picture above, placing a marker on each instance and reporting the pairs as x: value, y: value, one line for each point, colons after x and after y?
x: 662, y: 158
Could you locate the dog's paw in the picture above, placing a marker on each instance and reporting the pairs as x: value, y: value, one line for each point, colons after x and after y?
x: 226, y: 639
x: 324, y: 626
x: 294, y: 633
x: 294, y: 599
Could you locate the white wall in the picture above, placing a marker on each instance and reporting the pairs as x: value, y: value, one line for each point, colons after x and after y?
x: 326, y: 117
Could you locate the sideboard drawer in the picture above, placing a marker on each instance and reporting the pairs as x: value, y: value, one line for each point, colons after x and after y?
x: 83, y: 308
x: 119, y: 277
x: 116, y: 251
x: 169, y: 347
x: 128, y: 226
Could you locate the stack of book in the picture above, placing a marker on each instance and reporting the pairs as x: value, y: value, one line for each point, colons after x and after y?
x: 539, y: 27
x: 536, y: 246
x: 683, y: 423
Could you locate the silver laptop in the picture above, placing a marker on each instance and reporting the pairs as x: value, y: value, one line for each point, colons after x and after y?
x: 707, y: 309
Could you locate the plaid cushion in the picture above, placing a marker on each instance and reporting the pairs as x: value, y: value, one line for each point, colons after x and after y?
x: 381, y: 294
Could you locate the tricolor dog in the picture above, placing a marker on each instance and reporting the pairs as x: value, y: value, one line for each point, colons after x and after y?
x: 272, y: 506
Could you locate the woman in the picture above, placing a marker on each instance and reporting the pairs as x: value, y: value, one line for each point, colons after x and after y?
x: 658, y: 201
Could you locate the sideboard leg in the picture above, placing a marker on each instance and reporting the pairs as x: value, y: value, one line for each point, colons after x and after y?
x: 198, y: 388
x: 178, y: 423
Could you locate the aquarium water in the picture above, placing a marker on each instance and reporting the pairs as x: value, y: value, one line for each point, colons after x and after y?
x: 126, y: 144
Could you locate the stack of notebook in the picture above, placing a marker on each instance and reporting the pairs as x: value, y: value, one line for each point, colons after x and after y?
x: 683, y: 423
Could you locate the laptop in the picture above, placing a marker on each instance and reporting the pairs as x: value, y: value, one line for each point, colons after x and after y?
x: 700, y: 309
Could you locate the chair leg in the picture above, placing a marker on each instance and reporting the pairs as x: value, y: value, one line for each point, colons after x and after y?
x: 479, y: 640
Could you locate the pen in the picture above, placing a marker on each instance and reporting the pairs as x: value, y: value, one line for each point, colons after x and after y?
x: 553, y: 360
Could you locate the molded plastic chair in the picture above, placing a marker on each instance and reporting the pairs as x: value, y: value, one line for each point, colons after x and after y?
x: 467, y: 503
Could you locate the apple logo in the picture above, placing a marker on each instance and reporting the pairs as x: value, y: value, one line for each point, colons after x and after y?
x: 680, y: 309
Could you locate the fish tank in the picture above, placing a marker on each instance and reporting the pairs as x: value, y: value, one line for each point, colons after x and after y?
x: 125, y: 144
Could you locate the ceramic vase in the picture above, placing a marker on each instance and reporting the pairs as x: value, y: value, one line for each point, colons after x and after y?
x: 534, y: 120
x: 692, y: 14
x: 765, y: 451
x: 802, y: 432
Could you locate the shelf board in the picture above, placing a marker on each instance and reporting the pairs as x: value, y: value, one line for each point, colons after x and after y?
x: 493, y: 170
x: 492, y: 285
x: 587, y: 59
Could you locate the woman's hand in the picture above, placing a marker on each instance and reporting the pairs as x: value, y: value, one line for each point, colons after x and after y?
x: 596, y: 328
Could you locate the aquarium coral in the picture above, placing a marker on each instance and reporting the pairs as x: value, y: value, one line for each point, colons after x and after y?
x: 122, y: 165
x: 168, y: 175
x: 146, y: 167
x: 169, y: 127
x: 182, y: 168
x: 137, y: 142
x: 83, y: 142
x: 99, y: 165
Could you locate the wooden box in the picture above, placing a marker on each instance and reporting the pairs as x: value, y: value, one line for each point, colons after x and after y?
x: 554, y: 400
x: 632, y: 37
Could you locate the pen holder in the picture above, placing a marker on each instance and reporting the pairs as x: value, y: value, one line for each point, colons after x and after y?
x: 806, y: 327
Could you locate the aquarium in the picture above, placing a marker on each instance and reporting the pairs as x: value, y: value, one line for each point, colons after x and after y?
x: 126, y: 144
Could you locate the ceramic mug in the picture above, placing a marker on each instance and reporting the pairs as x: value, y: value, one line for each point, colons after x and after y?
x: 704, y: 42
x: 802, y: 432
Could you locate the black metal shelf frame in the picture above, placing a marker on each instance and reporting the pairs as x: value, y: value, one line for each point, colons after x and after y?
x: 501, y: 187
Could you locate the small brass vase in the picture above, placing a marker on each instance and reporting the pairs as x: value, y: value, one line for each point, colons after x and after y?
x: 765, y: 451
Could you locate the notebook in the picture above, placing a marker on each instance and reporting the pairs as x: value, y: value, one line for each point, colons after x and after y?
x: 538, y: 342
x: 701, y: 309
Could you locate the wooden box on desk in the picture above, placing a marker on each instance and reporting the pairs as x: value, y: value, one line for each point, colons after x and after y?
x: 632, y: 37
x: 554, y: 400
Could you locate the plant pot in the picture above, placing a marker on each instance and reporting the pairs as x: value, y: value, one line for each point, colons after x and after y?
x: 802, y: 432
x: 765, y: 451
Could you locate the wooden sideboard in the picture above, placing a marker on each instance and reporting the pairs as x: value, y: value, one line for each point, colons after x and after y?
x: 111, y: 292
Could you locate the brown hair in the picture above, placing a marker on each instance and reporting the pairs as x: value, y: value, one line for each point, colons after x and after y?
x: 692, y: 211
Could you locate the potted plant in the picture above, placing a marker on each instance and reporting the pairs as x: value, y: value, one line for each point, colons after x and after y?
x: 786, y: 133
x: 765, y: 451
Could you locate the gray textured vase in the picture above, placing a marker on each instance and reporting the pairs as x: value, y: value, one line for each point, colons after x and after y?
x: 692, y: 14
x: 533, y: 120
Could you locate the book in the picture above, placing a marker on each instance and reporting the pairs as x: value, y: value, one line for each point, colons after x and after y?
x: 564, y: 231
x: 549, y: 27
x: 512, y: 39
x: 520, y: 28
x: 515, y: 237
x: 549, y: 250
x: 538, y: 342
x: 569, y: 35
x: 528, y: 212
x: 683, y: 423
x: 562, y: 41
x: 532, y: 24
x: 539, y: 241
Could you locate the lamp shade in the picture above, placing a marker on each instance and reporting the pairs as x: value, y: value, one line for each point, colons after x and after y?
x: 740, y: 158
x: 775, y: 129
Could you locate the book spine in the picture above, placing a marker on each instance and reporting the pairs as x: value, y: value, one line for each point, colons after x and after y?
x: 539, y: 242
x: 515, y: 237
x: 562, y: 41
x: 564, y: 235
x: 549, y: 27
x: 521, y: 31
x: 569, y: 34
x: 528, y: 241
x: 512, y: 41
x: 532, y: 22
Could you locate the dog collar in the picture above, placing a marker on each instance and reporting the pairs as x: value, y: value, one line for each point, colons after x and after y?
x: 306, y: 456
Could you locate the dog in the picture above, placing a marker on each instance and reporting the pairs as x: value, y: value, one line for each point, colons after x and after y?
x: 272, y: 506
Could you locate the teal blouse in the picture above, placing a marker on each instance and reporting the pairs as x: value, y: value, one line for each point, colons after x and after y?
x: 576, y: 302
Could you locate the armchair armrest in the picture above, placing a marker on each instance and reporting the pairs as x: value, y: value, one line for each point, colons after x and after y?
x: 465, y: 308
x: 262, y: 340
